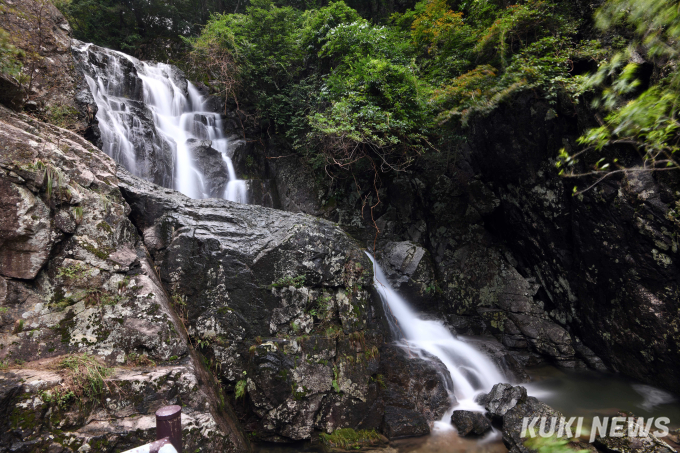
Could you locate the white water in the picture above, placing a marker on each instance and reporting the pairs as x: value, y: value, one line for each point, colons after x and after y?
x: 471, y: 371
x: 177, y: 118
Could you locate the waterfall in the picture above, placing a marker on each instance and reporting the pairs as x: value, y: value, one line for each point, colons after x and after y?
x: 471, y: 371
x: 151, y: 119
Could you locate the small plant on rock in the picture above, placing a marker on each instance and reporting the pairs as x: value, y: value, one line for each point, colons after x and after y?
x: 84, y: 376
x: 240, y: 389
x: 135, y: 359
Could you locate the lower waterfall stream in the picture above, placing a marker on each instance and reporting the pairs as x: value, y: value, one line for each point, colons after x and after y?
x: 471, y: 371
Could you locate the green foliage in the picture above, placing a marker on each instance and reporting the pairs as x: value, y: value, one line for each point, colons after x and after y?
x: 334, y: 383
x: 349, y: 439
x: 129, y: 25
x: 550, y: 445
x: 351, y: 94
x: 61, y: 398
x: 77, y: 213
x: 10, y: 63
x: 72, y: 272
x: 240, y: 389
x: 63, y: 116
x: 643, y: 120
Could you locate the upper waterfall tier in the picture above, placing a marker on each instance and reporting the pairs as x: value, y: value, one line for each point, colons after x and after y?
x: 158, y: 125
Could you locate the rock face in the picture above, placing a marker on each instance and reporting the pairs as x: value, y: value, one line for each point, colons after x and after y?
x: 210, y: 163
x: 75, y: 278
x: 282, y: 306
x: 48, y: 63
x: 606, y: 262
x: 490, y: 238
x: 409, y: 268
x: 510, y: 405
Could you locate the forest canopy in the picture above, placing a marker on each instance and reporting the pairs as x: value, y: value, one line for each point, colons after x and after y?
x: 343, y: 88
x: 380, y: 82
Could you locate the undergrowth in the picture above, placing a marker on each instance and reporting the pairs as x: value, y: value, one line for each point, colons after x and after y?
x: 84, y: 377
x: 350, y: 439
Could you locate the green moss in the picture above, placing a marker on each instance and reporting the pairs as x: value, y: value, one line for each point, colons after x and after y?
x: 349, y: 439
x: 99, y: 253
x: 224, y: 310
x: 284, y: 282
x: 72, y: 272
x: 103, y: 226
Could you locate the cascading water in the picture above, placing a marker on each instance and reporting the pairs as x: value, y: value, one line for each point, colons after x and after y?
x: 161, y: 149
x: 471, y: 371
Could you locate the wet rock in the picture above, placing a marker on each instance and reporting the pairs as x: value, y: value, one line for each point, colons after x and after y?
x: 277, y: 261
x: 415, y: 382
x: 11, y: 94
x: 296, y: 185
x: 303, y: 275
x: 263, y: 192
x: 502, y: 398
x: 410, y: 271
x: 400, y: 422
x: 511, y: 405
x: 470, y: 423
x: 605, y: 261
x: 210, y: 163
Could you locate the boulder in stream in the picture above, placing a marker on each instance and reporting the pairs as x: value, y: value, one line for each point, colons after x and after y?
x: 470, y: 423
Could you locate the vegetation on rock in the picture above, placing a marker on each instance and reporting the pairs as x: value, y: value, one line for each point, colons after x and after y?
x: 349, y: 439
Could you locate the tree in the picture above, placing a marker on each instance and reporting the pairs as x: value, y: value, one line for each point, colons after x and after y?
x: 642, y: 120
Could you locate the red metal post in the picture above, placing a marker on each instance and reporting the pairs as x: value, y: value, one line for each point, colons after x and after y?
x: 169, y: 424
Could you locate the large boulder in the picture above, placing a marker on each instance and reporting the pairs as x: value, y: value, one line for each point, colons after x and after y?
x: 510, y: 405
x: 282, y: 304
x: 416, y: 380
x: 76, y: 281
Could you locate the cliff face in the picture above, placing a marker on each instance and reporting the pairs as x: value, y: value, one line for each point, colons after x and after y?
x: 606, y: 261
x: 491, y: 238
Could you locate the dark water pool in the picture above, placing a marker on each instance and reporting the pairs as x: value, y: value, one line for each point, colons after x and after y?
x: 574, y: 393
x: 589, y: 394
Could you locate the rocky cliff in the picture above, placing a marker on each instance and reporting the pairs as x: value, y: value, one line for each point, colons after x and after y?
x: 488, y: 236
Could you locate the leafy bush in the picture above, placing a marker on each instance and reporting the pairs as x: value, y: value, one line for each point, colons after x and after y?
x: 643, y: 119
